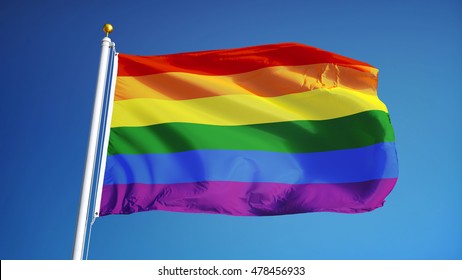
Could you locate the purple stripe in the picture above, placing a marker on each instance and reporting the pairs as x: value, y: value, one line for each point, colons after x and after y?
x: 246, y: 199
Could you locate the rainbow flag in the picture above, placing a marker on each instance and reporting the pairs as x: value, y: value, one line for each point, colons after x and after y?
x: 265, y: 130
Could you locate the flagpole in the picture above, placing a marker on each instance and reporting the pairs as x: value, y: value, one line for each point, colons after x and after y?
x: 107, y: 131
x: 82, y: 219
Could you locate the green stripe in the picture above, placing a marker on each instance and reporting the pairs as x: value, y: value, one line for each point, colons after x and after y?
x: 354, y: 131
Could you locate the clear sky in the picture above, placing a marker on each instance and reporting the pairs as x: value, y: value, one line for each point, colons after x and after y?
x: 50, y: 55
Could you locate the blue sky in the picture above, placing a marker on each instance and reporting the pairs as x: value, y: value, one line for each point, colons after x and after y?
x: 50, y: 54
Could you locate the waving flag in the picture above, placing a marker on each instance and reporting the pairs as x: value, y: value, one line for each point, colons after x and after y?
x: 266, y: 130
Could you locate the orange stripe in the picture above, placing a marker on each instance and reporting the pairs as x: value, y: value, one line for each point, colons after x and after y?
x: 266, y: 82
x: 232, y: 61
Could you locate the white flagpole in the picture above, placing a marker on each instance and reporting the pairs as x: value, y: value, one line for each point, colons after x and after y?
x: 81, y: 229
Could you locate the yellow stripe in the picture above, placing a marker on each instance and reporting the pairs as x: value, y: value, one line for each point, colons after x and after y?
x: 318, y: 104
x: 268, y: 82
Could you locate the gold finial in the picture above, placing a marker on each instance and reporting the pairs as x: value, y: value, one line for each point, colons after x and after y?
x: 108, y: 28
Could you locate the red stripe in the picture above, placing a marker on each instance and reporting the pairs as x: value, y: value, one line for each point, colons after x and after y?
x: 232, y: 61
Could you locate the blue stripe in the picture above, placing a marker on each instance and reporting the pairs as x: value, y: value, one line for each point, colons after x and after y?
x: 341, y: 166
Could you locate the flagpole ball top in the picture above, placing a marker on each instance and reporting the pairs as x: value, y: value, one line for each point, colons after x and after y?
x: 108, y: 28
